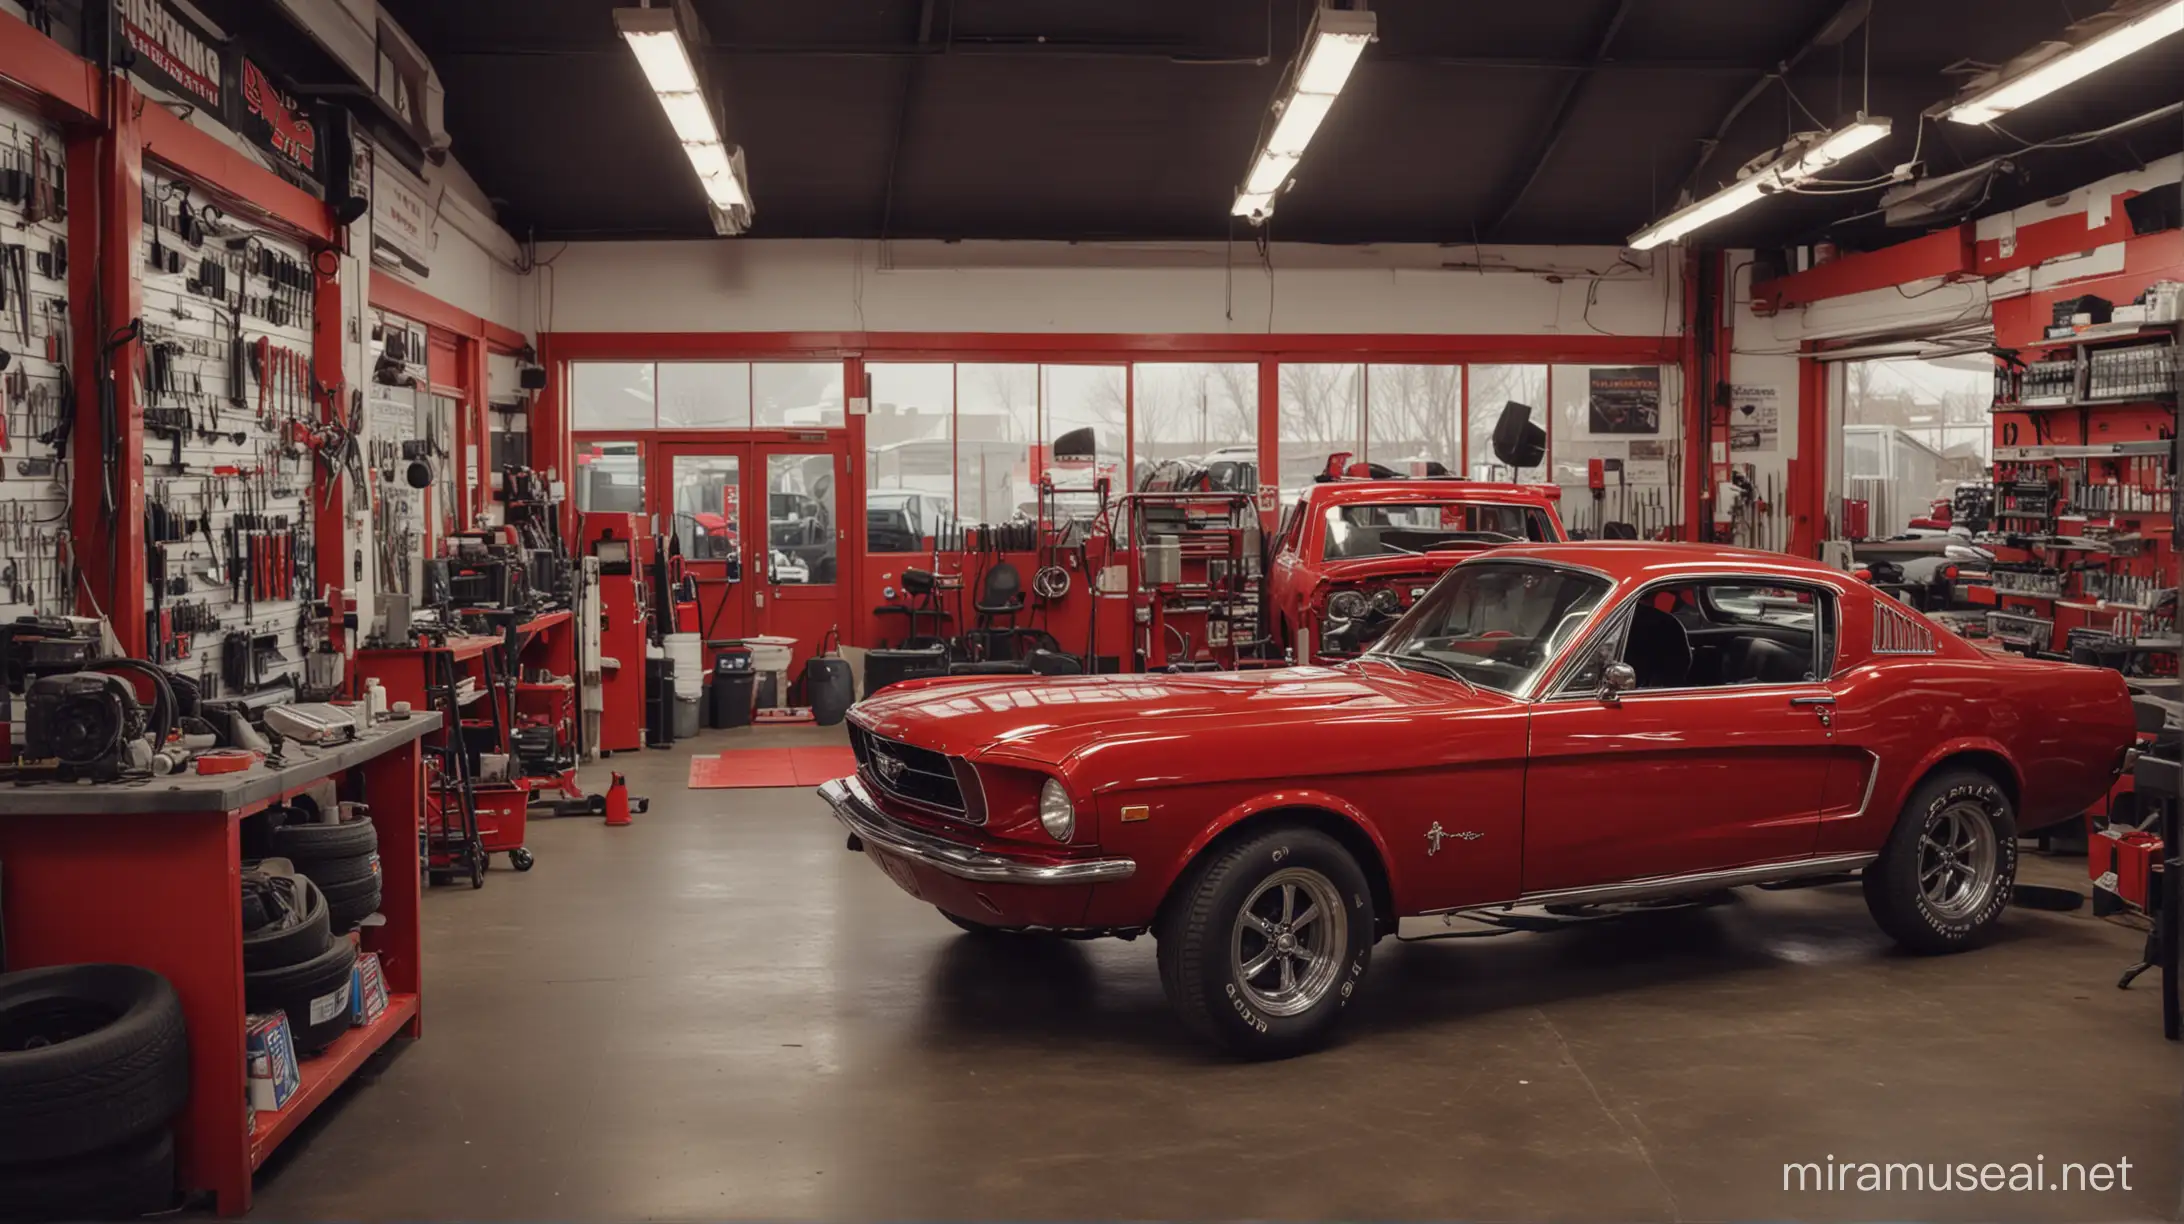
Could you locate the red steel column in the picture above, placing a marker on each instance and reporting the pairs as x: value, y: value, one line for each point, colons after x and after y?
x: 106, y: 223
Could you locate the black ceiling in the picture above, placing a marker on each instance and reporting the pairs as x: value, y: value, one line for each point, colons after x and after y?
x: 1534, y: 121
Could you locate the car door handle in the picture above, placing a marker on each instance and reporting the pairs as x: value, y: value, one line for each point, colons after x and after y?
x: 1823, y: 699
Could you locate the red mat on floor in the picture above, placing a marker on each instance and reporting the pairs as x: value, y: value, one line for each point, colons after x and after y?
x: 750, y: 767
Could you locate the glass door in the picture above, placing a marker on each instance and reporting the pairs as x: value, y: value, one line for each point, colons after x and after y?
x: 705, y: 509
x: 796, y: 586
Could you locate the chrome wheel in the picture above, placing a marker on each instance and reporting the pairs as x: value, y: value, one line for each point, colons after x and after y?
x: 1958, y: 855
x: 1287, y: 946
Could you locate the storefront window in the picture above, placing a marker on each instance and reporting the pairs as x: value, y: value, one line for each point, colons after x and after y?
x: 909, y: 454
x: 997, y: 423
x: 708, y: 503
x: 705, y: 394
x: 1493, y: 388
x: 1322, y: 411
x: 1206, y: 413
x: 1626, y: 417
x: 610, y: 477
x: 1414, y: 417
x: 1084, y: 415
x: 1913, y: 431
x: 796, y: 394
x: 612, y: 394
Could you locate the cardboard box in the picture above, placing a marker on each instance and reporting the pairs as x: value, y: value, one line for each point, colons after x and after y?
x: 271, y: 1051
x: 368, y: 990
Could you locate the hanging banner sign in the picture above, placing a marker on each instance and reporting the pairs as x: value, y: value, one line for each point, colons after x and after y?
x: 284, y: 126
x: 401, y: 219
x: 175, y: 54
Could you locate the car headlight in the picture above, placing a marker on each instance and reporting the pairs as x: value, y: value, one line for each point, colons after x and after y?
x: 1346, y: 605
x: 1056, y: 814
x: 1387, y: 602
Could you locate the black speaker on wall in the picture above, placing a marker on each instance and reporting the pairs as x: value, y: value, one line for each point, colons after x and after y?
x: 1518, y: 442
x: 2154, y: 211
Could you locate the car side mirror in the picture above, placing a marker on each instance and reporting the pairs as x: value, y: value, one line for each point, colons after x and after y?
x: 1616, y: 679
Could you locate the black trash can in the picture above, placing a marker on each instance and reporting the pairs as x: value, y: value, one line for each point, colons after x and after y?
x: 735, y: 686
x: 659, y: 702
x: 829, y: 687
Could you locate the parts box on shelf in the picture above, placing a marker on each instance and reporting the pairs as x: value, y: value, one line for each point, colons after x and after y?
x: 271, y: 1048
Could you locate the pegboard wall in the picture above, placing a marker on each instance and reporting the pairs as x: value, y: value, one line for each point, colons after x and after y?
x: 228, y: 394
x: 400, y: 429
x: 36, y: 396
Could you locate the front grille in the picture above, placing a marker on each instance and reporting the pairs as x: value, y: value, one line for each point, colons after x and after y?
x: 919, y: 775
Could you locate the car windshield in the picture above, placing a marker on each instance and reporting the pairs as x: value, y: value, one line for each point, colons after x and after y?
x: 1496, y: 624
x: 1389, y: 529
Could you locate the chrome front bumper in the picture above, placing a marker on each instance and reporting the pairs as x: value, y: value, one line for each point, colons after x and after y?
x: 853, y: 806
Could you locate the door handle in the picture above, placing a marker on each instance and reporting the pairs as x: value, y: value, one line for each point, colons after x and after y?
x: 1824, y: 699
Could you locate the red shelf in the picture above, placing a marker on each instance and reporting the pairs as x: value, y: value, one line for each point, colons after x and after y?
x: 328, y: 1071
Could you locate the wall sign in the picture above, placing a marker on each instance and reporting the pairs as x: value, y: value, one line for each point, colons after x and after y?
x: 1625, y: 400
x: 401, y: 219
x: 275, y: 120
x: 175, y: 54
x: 1755, y: 417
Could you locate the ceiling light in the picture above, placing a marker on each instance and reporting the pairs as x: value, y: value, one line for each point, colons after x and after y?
x: 1801, y: 163
x: 657, y: 37
x: 1329, y: 53
x: 2002, y: 92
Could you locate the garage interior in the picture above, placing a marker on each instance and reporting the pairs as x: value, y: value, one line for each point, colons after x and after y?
x: 391, y: 391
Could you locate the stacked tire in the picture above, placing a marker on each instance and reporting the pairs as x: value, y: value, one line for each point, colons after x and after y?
x: 292, y: 961
x: 342, y: 859
x: 94, y: 1066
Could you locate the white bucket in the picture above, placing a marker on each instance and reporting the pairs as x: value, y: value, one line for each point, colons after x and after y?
x: 688, y: 652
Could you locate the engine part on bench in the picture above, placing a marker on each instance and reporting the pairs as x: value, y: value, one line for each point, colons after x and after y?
x: 90, y: 723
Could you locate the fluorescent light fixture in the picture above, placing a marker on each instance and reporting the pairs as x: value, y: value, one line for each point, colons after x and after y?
x: 2002, y: 92
x: 1801, y: 163
x: 655, y: 36
x: 1329, y: 54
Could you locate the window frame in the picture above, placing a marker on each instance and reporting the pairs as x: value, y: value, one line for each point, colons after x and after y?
x: 1613, y: 631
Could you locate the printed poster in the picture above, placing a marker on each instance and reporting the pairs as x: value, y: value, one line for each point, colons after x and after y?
x: 1755, y: 418
x: 1625, y: 400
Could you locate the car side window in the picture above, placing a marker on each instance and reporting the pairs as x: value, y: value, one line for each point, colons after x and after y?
x: 1285, y: 537
x: 1717, y: 633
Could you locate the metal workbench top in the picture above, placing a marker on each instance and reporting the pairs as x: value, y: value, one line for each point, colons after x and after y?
x: 192, y: 792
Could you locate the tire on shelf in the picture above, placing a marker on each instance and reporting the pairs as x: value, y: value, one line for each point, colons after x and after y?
x: 1944, y: 876
x: 1309, y: 902
x: 311, y: 843
x: 344, y: 915
x: 131, y: 1179
x: 314, y: 994
x: 263, y: 949
x: 91, y: 1056
x: 336, y: 874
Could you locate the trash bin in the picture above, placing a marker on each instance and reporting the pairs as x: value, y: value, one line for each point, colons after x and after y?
x: 686, y: 717
x: 735, y: 691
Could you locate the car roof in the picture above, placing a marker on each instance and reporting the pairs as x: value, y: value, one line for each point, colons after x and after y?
x: 1645, y: 560
x: 1447, y: 489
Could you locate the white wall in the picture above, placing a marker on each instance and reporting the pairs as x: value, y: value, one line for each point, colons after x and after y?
x: 766, y: 285
x: 473, y: 261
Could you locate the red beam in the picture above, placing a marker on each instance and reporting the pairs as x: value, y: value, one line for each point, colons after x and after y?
x: 972, y: 346
x: 229, y: 175
x: 106, y: 177
x: 407, y: 300
x: 1944, y: 253
x: 2055, y: 237
x: 47, y: 76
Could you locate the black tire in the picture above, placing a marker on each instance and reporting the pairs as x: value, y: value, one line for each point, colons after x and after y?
x: 1895, y: 888
x: 520, y: 858
x: 311, y: 843
x: 272, y: 949
x: 334, y: 875
x: 90, y: 1056
x: 343, y: 916
x: 321, y: 983
x: 1203, y: 920
x: 119, y: 1183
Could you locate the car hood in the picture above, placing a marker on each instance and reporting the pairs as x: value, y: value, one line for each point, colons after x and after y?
x: 1054, y: 721
x: 1397, y: 565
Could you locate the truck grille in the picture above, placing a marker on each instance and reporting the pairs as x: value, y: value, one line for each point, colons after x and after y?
x: 912, y: 774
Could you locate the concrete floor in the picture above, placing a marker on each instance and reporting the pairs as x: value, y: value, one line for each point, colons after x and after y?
x: 720, y: 1013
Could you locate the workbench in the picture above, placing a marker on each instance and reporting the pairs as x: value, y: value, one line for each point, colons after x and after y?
x: 149, y: 873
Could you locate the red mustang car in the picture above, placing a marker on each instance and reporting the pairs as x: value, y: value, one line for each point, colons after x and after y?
x: 1352, y: 555
x: 1566, y: 725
